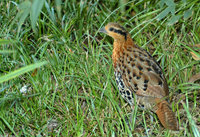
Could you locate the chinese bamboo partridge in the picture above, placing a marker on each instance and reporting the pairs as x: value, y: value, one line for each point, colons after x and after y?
x: 137, y: 73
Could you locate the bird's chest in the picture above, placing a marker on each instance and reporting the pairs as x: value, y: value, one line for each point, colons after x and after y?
x: 130, y: 79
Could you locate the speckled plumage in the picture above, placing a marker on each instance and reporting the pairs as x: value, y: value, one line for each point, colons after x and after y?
x: 137, y: 73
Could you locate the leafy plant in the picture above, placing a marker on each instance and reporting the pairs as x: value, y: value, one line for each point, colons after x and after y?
x: 176, y: 10
x: 28, y: 8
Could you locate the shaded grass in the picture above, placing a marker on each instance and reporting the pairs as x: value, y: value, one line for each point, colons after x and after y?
x: 75, y: 94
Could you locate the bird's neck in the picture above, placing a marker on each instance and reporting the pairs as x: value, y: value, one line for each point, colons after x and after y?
x: 119, y: 46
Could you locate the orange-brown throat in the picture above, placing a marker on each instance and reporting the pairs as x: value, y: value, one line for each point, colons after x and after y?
x: 118, y: 47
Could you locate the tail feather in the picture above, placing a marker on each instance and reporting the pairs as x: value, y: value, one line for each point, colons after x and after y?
x: 166, y: 116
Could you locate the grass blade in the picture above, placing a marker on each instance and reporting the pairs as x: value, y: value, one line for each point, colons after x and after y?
x: 5, y: 41
x: 21, y: 71
x: 35, y: 12
x: 6, y: 51
x: 58, y: 8
x: 8, y: 125
x: 192, y: 122
x: 24, y: 10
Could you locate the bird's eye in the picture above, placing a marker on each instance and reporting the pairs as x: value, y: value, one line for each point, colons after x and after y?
x: 111, y: 29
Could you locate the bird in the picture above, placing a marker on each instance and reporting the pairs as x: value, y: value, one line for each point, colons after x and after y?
x: 139, y: 76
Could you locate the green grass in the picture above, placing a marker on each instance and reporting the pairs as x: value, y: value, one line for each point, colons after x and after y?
x: 75, y: 93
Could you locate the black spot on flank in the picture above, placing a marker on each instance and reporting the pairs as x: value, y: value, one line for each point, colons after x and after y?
x: 141, y: 59
x: 130, y: 78
x: 145, y: 85
x: 117, y: 82
x: 132, y: 96
x: 128, y: 71
x: 140, y: 67
x: 123, y: 71
x: 137, y: 77
x: 111, y: 29
x: 131, y: 59
x: 135, y: 85
x: 135, y: 56
x: 160, y: 83
x: 141, y: 106
x: 132, y: 64
x: 149, y: 69
x: 129, y: 98
x: 128, y: 93
x: 146, y: 81
x: 134, y: 74
x: 121, y: 84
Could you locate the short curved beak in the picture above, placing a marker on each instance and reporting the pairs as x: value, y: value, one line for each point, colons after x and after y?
x: 103, y: 30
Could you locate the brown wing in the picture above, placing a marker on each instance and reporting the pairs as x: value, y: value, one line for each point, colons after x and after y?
x: 142, y: 74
